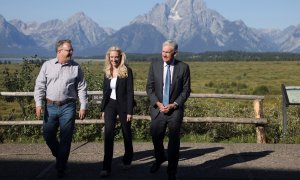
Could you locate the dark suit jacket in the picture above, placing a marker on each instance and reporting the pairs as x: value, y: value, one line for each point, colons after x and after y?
x: 124, y: 93
x: 180, y: 88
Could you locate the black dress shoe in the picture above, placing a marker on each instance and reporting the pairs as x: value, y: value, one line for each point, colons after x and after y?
x: 172, y: 177
x: 104, y: 173
x: 156, y: 165
x: 60, y: 173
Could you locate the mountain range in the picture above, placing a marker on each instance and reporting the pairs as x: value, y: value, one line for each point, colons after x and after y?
x: 195, y: 27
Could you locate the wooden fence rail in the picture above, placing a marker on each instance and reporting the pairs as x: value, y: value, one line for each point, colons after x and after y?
x: 258, y: 120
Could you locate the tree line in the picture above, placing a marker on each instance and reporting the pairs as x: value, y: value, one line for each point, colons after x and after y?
x: 207, y: 56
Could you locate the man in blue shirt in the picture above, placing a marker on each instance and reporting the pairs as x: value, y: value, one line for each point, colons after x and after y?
x: 59, y: 83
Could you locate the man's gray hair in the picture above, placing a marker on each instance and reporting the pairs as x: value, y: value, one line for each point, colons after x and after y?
x: 61, y: 42
x: 171, y: 43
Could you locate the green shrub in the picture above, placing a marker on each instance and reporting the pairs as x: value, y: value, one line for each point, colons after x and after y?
x: 261, y: 90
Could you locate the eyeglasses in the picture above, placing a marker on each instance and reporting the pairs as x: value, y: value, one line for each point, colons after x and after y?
x: 67, y: 50
x: 167, y: 52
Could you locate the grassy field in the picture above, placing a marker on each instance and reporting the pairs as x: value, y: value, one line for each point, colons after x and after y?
x: 232, y: 77
x: 216, y: 77
x: 251, y: 77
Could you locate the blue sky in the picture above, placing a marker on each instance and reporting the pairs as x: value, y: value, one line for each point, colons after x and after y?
x: 118, y: 13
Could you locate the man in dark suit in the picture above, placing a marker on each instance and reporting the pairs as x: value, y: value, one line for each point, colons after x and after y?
x: 168, y: 88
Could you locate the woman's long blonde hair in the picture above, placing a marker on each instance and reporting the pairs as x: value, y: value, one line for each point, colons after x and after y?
x: 108, y: 68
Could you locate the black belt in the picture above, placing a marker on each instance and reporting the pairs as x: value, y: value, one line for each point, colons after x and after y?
x: 60, y: 103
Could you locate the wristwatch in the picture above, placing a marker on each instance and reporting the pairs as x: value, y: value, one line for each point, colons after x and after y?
x: 175, y: 106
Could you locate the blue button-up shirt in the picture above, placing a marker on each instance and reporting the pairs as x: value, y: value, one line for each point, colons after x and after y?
x: 59, y: 82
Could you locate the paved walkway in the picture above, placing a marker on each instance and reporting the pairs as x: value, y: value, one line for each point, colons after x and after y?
x: 197, y: 161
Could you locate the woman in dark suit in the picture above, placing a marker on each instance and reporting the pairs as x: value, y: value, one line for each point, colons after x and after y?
x: 117, y: 100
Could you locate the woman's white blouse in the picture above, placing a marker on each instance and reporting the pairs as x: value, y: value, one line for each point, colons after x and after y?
x: 113, y: 84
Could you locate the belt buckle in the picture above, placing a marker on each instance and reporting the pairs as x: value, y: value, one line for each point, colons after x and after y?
x: 59, y: 103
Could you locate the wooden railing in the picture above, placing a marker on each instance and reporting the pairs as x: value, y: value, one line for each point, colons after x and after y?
x: 258, y: 120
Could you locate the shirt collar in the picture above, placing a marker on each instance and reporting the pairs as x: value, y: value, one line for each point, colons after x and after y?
x: 56, y: 62
x: 172, y: 63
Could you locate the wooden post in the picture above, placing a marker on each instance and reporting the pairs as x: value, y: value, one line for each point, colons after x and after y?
x: 260, y: 129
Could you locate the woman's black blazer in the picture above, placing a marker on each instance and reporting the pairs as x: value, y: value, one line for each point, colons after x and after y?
x: 124, y: 92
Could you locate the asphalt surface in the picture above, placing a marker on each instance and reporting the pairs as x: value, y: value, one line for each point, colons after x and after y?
x: 197, y: 161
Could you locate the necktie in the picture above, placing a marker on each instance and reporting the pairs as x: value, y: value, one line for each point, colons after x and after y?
x: 166, y: 94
